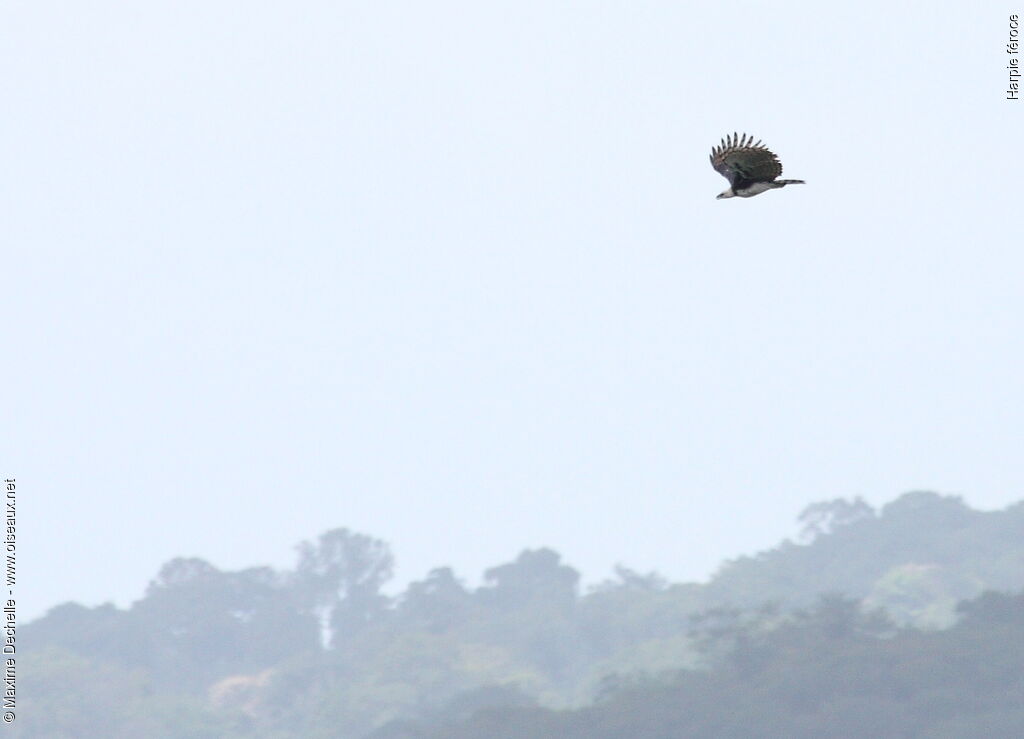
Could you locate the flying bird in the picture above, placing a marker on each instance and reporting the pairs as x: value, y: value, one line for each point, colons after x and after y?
x: 750, y: 168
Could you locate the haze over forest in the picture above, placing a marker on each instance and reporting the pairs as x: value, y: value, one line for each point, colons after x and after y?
x: 903, y: 621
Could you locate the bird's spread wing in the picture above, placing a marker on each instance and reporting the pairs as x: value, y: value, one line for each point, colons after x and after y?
x: 740, y: 160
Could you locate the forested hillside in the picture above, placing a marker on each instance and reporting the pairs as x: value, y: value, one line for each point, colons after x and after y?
x: 852, y: 625
x: 829, y: 672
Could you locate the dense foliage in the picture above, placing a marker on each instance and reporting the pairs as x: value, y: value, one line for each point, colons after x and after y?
x: 320, y: 651
x: 829, y: 672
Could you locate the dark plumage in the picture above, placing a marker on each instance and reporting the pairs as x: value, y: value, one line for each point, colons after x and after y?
x: 750, y: 167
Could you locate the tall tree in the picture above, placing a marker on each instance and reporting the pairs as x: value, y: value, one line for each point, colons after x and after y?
x: 536, y: 575
x: 436, y: 603
x: 827, y: 516
x: 339, y: 577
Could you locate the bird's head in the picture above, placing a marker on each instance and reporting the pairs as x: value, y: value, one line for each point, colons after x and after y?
x: 727, y: 194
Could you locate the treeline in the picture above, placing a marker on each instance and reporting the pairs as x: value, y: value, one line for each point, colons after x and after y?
x: 830, y: 671
x: 319, y: 651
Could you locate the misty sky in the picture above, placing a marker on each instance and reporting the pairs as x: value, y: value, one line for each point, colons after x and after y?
x: 453, y: 274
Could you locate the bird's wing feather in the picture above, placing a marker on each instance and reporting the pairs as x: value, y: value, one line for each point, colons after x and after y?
x: 740, y: 160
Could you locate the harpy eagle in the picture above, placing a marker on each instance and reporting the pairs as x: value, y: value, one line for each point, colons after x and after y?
x: 750, y: 168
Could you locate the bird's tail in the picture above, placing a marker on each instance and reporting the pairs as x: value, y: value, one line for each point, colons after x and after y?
x: 790, y: 182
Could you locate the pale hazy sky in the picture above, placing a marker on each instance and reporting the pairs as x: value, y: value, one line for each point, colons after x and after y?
x: 453, y: 274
